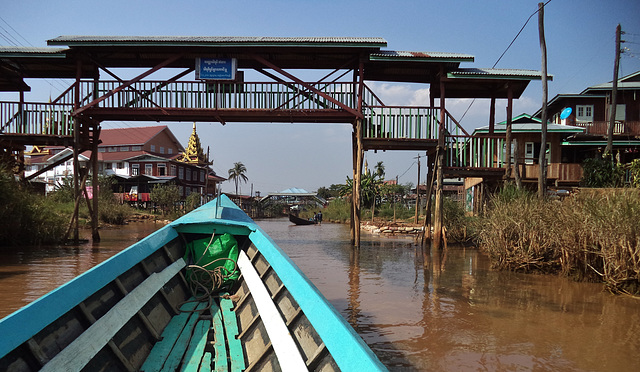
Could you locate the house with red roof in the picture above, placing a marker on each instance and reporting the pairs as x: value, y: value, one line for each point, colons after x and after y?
x: 138, y: 158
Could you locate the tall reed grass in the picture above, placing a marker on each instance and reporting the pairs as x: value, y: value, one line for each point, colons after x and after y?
x: 593, y: 235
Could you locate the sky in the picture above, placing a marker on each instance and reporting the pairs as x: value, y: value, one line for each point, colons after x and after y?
x: 580, y: 39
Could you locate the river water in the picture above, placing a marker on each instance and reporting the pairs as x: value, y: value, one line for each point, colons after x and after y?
x: 451, y: 314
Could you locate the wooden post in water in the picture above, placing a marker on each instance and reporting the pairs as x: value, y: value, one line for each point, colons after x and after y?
x: 417, y: 193
x: 76, y: 153
x: 438, y: 213
x: 357, y: 182
x: 95, y: 235
x: 542, y: 159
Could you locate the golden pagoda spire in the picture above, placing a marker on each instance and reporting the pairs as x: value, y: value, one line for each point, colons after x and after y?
x: 193, y: 154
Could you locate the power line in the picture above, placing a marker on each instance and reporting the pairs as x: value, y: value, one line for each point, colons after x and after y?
x: 505, y: 52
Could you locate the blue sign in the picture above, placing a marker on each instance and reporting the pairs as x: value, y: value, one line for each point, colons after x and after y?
x: 216, y: 68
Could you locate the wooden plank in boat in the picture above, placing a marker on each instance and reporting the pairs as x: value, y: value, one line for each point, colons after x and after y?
x: 195, y: 355
x: 183, y: 341
x: 283, y: 345
x: 219, y: 345
x: 162, y: 348
x: 236, y: 355
x: 75, y: 356
x: 205, y: 366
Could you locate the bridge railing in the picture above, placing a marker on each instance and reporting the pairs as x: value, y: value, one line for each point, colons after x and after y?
x: 212, y: 95
x: 463, y: 151
x: 406, y: 122
x: 36, y: 118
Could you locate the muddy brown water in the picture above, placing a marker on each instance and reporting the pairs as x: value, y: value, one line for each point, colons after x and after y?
x: 455, y: 315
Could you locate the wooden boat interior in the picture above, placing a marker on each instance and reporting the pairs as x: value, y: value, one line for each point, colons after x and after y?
x: 137, y: 312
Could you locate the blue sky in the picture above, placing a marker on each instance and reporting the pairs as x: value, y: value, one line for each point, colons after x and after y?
x: 580, y: 47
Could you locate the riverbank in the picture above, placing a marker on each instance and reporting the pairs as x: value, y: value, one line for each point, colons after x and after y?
x: 590, y: 236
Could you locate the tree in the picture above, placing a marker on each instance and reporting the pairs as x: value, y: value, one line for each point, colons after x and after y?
x: 379, y: 170
x: 237, y: 174
x: 331, y: 191
x: 165, y: 196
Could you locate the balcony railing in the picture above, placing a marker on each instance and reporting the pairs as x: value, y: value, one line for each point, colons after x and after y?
x: 631, y: 128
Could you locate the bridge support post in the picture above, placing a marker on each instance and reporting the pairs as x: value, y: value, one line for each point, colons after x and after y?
x: 356, y: 188
x: 436, y: 242
x: 95, y: 235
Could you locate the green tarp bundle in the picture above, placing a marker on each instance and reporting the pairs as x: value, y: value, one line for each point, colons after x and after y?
x: 217, y: 254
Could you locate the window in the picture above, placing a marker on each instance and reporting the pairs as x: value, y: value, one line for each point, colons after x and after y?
x: 173, y: 170
x: 108, y: 165
x: 169, y: 151
x: 124, y: 148
x: 161, y: 150
x: 180, y: 173
x: 201, y: 175
x: 584, y: 113
x: 153, y: 148
x: 102, y: 149
x: 135, y: 169
x: 529, y: 152
x: 120, y: 165
x: 148, y: 169
x: 113, y: 149
x: 162, y: 170
x: 188, y: 174
x: 136, y: 148
x: 620, y: 113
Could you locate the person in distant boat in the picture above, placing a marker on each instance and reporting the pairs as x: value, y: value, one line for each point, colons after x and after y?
x: 319, y: 217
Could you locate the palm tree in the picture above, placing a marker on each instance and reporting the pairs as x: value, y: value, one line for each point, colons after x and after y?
x: 237, y: 173
x: 379, y: 170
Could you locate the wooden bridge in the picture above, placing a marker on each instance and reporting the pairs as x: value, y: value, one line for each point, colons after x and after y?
x: 341, y: 96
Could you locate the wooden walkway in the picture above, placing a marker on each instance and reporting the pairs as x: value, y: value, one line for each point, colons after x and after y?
x: 384, y: 127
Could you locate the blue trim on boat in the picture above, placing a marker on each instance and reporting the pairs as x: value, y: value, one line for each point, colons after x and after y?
x: 24, y: 323
x: 348, y: 349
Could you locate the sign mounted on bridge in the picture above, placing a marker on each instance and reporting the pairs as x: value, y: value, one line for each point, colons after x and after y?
x: 216, y: 68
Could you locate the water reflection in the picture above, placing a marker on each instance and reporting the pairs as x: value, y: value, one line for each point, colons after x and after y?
x: 29, y: 272
x: 417, y: 309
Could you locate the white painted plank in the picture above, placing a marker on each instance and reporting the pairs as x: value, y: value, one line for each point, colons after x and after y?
x: 283, y: 344
x: 75, y: 356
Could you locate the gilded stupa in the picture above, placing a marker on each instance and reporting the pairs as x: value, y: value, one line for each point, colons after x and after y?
x: 193, y: 154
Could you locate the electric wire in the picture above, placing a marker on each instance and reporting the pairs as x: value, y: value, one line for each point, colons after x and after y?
x: 505, y: 52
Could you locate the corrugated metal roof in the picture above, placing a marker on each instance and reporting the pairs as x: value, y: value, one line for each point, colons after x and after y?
x: 631, y: 81
x: 496, y: 73
x: 17, y: 51
x: 427, y: 56
x: 216, y: 40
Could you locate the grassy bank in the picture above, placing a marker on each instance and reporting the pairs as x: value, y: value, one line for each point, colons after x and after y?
x: 593, y: 235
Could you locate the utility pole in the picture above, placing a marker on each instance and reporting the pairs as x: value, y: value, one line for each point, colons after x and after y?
x: 614, y: 97
x: 417, y: 191
x: 542, y: 159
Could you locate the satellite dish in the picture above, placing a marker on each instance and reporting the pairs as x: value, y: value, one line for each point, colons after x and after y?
x: 565, y: 113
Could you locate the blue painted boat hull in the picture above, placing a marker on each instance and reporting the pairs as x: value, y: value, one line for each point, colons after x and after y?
x: 119, y: 315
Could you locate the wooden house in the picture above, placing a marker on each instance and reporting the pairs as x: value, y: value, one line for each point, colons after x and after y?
x: 591, y: 110
x: 138, y: 158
